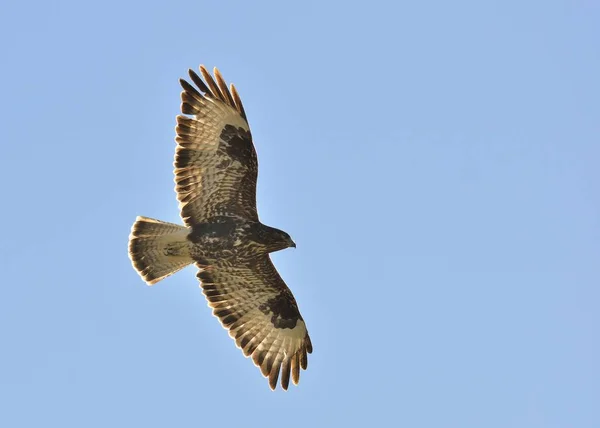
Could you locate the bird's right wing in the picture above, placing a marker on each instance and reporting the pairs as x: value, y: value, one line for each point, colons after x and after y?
x: 216, y: 166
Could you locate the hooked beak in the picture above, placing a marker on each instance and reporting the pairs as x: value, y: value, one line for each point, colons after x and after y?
x: 293, y: 244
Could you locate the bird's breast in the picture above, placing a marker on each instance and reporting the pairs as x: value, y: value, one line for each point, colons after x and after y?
x: 221, y: 241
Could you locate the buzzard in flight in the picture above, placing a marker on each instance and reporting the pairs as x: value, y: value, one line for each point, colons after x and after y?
x: 215, y: 174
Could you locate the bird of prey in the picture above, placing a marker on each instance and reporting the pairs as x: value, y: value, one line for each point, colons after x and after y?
x: 215, y: 174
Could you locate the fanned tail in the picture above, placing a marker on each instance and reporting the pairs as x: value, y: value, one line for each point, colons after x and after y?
x: 158, y: 249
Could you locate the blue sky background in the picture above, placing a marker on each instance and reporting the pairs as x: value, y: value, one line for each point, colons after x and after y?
x: 436, y: 163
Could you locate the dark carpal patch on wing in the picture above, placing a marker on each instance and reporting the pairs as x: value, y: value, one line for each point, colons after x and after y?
x: 283, y: 310
x: 237, y: 143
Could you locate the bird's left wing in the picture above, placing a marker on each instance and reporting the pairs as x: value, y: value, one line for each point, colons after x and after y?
x: 262, y: 316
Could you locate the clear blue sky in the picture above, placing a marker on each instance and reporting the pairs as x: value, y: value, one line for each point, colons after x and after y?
x: 436, y: 163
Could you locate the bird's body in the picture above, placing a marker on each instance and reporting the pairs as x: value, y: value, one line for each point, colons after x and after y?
x: 216, y: 171
x: 233, y: 241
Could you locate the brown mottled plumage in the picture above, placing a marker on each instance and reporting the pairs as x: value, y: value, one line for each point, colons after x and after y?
x: 215, y: 174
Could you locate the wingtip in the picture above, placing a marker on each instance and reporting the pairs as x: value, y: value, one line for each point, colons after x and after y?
x: 273, y: 386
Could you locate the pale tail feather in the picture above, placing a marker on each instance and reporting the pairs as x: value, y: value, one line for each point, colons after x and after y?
x: 158, y: 249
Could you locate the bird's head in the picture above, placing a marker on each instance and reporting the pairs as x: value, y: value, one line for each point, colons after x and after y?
x: 290, y: 242
x: 285, y: 239
x: 278, y: 239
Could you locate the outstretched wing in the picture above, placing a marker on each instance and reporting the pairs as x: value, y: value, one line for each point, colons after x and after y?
x: 262, y: 316
x: 215, y: 161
